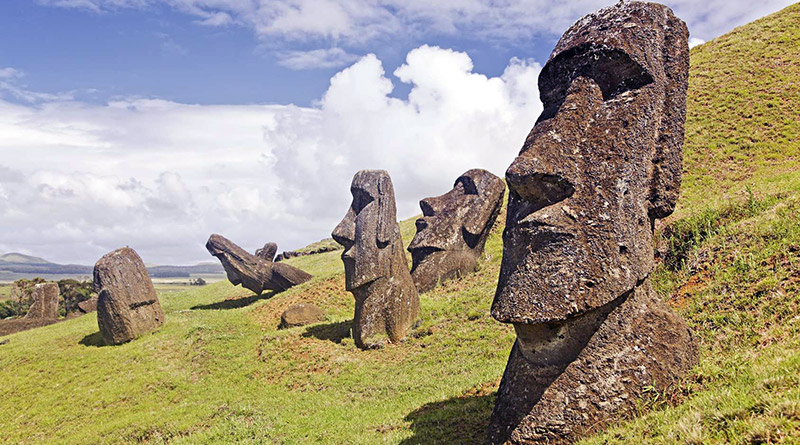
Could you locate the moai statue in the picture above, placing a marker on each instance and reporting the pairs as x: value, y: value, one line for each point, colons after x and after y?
x: 45, y: 301
x: 602, y: 163
x: 454, y: 227
x: 127, y: 304
x: 267, y: 252
x: 375, y: 266
x: 251, y: 271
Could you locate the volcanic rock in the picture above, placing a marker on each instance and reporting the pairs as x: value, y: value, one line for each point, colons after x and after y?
x: 301, y: 315
x: 45, y: 301
x: 602, y: 163
x: 252, y: 272
x: 375, y: 267
x: 127, y: 304
x: 453, y: 229
x: 89, y: 305
x: 267, y: 252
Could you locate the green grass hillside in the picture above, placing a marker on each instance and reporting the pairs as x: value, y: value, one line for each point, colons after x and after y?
x: 219, y: 371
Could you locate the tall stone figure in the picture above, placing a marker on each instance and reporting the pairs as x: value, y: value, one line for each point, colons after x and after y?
x: 127, y: 304
x: 375, y: 266
x: 602, y: 163
x: 453, y: 229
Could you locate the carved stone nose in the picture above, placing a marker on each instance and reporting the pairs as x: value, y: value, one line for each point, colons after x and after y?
x: 531, y: 183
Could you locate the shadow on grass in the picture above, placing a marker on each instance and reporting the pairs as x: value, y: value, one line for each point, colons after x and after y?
x: 335, y: 332
x: 236, y: 303
x: 460, y: 420
x: 94, y: 340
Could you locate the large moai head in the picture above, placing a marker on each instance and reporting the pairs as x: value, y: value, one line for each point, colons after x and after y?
x: 601, y: 164
x: 369, y: 229
x: 453, y: 229
x: 375, y: 266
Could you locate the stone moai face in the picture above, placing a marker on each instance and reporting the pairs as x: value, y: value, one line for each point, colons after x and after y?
x: 368, y: 229
x: 453, y: 229
x: 376, y: 271
x: 602, y: 163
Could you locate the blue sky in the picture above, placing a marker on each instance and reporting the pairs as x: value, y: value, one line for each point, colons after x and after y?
x: 154, y: 123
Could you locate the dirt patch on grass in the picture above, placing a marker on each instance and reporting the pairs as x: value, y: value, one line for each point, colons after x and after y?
x: 8, y: 327
x: 327, y: 294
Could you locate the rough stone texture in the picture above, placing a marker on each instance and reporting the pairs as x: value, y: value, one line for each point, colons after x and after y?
x: 253, y: 272
x: 453, y: 229
x: 127, y: 304
x: 267, y: 252
x: 301, y: 315
x: 45, y: 301
x: 89, y: 305
x: 602, y: 163
x: 375, y: 266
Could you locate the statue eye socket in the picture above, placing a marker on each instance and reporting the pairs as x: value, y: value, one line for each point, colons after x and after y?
x: 468, y: 185
x: 614, y: 71
x: 360, y: 200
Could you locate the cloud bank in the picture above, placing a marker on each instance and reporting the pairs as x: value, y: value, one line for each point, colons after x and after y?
x: 79, y: 179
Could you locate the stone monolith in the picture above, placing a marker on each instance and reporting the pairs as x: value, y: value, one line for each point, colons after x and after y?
x: 127, y: 304
x: 453, y: 229
x: 375, y: 266
x: 602, y: 163
x: 45, y: 297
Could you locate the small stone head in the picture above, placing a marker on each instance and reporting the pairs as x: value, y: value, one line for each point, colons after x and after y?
x: 601, y: 164
x: 453, y: 228
x: 368, y: 229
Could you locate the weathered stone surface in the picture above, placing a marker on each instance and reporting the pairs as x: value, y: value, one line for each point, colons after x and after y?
x: 89, y: 305
x: 453, y: 229
x: 253, y: 272
x: 602, y: 163
x: 375, y: 266
x: 267, y: 252
x: 127, y: 304
x: 45, y: 301
x: 301, y: 315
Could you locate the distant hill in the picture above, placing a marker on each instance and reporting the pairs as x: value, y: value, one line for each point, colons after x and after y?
x: 20, y: 258
x: 19, y: 263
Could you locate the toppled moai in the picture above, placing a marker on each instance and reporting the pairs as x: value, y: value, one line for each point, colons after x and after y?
x: 375, y: 267
x: 127, y: 304
x: 602, y: 163
x: 453, y: 229
x: 267, y: 252
x: 45, y: 298
x: 254, y: 272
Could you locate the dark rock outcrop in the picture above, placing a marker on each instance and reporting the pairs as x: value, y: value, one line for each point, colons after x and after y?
x: 45, y: 301
x: 267, y: 253
x: 300, y: 315
x: 253, y: 272
x: 602, y: 163
x: 127, y: 304
x: 87, y: 306
x: 375, y: 266
x: 453, y: 229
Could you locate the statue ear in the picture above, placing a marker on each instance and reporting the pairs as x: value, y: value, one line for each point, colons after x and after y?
x: 387, y: 211
x: 668, y: 153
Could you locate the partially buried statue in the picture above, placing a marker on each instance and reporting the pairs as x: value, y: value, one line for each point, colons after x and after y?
x: 127, y: 304
x: 257, y: 273
x: 454, y: 227
x: 602, y: 163
x: 375, y: 266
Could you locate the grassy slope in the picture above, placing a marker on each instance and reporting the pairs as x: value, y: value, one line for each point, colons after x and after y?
x: 219, y: 371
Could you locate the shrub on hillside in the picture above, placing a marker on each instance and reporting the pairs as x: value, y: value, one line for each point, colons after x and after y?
x: 72, y: 293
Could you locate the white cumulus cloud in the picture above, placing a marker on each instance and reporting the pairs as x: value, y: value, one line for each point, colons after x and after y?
x: 80, y: 179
